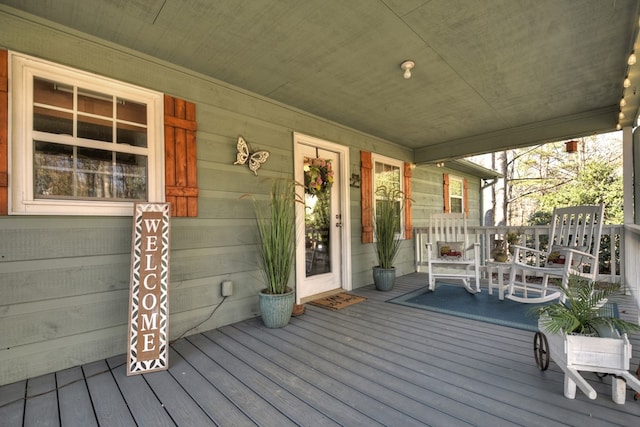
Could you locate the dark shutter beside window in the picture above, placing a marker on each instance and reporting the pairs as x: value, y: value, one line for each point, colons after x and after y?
x: 181, y: 179
x: 366, y: 196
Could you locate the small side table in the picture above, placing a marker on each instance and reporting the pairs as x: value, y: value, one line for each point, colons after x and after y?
x: 501, y: 268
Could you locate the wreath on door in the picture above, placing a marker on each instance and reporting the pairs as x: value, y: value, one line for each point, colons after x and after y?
x: 318, y: 176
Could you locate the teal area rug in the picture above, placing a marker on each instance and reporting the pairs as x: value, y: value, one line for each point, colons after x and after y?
x: 456, y: 301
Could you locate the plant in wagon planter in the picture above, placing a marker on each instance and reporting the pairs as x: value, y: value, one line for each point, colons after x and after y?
x: 276, y: 249
x: 386, y: 230
x: 581, y: 312
x: 581, y: 333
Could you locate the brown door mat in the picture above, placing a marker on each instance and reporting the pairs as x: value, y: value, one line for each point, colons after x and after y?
x: 337, y: 301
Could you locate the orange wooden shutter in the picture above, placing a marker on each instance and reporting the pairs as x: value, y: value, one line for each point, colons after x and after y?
x: 366, y: 196
x: 181, y: 179
x: 465, y: 197
x: 4, y: 132
x: 445, y: 190
x: 408, y: 226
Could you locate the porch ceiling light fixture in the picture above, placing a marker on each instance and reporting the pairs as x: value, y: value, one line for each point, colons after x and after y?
x: 623, y: 102
x: 407, y: 66
x: 627, y: 82
x: 632, y: 59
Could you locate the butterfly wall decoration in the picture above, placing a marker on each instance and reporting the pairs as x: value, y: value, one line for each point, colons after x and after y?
x: 244, y: 156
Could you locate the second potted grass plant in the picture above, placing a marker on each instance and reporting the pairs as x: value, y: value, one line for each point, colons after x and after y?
x: 387, y: 222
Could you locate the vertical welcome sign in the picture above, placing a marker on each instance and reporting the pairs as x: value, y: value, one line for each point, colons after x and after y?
x: 149, y: 289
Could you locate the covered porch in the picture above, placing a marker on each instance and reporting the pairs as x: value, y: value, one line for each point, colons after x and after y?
x: 373, y: 363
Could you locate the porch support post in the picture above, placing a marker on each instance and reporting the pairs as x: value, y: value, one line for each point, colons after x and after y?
x: 628, y: 194
x: 631, y: 234
x: 628, y: 175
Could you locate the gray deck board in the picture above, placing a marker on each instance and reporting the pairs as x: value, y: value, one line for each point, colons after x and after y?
x: 415, y: 402
x: 184, y: 411
x: 373, y: 363
x: 286, y: 402
x: 346, y: 407
x: 253, y: 405
x: 218, y: 408
x: 449, y: 388
x: 41, y: 408
x: 110, y: 407
x: 368, y: 397
x: 145, y: 407
x: 74, y: 400
x: 12, y: 403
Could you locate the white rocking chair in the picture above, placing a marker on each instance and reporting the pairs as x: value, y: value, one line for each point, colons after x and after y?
x: 574, y: 246
x: 447, y: 251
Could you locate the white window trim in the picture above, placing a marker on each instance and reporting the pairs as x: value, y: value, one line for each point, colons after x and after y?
x: 378, y: 158
x: 22, y: 68
x: 461, y: 197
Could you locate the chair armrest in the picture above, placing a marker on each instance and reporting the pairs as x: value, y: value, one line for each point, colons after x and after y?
x: 473, y: 246
x: 578, y: 252
x: 515, y: 259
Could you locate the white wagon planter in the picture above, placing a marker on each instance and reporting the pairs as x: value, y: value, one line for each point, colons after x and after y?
x: 575, y: 353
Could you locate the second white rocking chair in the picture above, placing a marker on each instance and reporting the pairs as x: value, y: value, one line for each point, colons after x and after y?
x: 573, y: 248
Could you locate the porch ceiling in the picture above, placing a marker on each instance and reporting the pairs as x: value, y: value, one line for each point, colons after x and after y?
x: 489, y: 74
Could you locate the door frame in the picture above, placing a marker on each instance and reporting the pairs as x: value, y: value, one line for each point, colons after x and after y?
x: 345, y: 230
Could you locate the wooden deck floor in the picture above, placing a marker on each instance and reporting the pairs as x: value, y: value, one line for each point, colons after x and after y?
x: 370, y: 364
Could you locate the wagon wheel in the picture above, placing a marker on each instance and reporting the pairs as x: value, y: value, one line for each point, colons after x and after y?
x: 541, y: 350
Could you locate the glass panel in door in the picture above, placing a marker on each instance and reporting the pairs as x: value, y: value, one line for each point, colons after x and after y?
x: 318, y: 180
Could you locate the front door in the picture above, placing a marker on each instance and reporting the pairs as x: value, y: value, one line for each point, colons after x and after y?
x: 320, y: 265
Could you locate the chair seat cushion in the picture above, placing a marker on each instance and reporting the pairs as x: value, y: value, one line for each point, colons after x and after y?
x: 450, y: 250
x: 558, y: 255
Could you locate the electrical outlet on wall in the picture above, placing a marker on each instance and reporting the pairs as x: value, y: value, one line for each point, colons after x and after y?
x: 227, y: 288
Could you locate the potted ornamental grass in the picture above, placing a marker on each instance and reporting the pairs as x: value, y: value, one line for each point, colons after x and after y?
x: 275, y: 219
x: 386, y: 228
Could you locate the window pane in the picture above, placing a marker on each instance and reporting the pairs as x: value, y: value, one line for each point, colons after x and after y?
x: 52, y: 121
x: 96, y: 129
x: 455, y: 187
x: 132, y: 111
x: 96, y: 103
x: 131, y: 176
x: 387, y: 176
x: 456, y: 205
x: 94, y: 173
x: 53, y: 94
x: 131, y: 135
x: 53, y: 170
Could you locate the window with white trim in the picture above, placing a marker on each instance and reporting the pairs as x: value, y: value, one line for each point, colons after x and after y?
x: 82, y: 144
x: 389, y: 173
x: 456, y: 194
